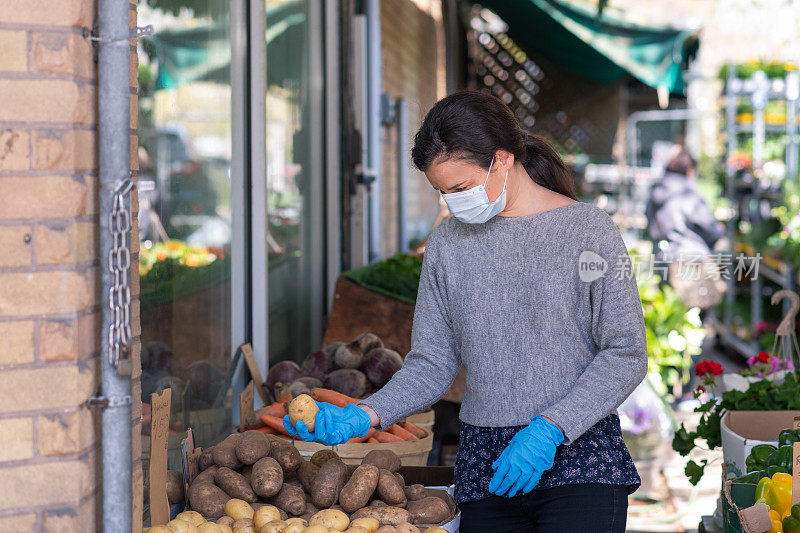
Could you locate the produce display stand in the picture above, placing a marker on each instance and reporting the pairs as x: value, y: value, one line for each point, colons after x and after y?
x: 413, y: 453
x: 357, y: 309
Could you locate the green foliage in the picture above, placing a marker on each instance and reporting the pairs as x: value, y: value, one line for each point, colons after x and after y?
x: 762, y: 395
x: 674, y: 333
x: 695, y: 471
x: 773, y: 69
x: 396, y: 277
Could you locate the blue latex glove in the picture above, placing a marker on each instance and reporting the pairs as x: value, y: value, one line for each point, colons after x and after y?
x: 529, y: 454
x: 332, y: 425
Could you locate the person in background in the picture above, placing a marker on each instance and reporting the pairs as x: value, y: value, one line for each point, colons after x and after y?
x: 513, y: 287
x: 680, y: 222
x: 685, y: 234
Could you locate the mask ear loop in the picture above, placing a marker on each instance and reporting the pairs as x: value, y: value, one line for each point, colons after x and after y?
x: 487, y: 174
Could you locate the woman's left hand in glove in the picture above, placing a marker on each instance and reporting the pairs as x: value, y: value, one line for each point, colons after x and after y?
x: 529, y: 454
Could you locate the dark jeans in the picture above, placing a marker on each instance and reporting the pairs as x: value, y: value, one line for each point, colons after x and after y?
x: 583, y: 507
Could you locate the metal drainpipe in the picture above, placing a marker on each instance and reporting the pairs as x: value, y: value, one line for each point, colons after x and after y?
x: 374, y: 89
x: 402, y: 174
x: 114, y: 153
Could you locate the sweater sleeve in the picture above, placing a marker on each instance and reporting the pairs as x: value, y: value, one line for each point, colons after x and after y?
x: 433, y: 361
x: 620, y: 362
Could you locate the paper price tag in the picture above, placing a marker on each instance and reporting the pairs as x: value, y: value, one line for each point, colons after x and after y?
x: 255, y: 373
x: 246, y: 404
x: 795, y: 473
x: 159, y: 430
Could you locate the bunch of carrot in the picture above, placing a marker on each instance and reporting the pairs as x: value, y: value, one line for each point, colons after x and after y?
x: 271, y: 418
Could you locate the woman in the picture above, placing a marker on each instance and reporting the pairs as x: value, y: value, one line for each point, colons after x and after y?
x: 513, y: 287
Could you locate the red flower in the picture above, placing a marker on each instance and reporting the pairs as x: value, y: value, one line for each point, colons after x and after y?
x: 700, y: 389
x: 762, y: 357
x: 708, y: 367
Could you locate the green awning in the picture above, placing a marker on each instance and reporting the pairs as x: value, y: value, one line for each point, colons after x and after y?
x: 603, y: 48
x: 203, y: 53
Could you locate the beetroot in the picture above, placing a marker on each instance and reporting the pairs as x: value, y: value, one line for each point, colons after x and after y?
x: 346, y: 357
x: 283, y: 372
x: 299, y: 387
x: 365, y: 342
x: 317, y: 365
x: 380, y: 365
x: 329, y: 349
x: 351, y: 382
x: 310, y: 382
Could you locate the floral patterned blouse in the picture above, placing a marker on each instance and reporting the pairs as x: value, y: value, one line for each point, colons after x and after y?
x: 597, y: 456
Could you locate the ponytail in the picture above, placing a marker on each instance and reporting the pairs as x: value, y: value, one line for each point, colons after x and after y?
x: 473, y: 125
x: 545, y: 166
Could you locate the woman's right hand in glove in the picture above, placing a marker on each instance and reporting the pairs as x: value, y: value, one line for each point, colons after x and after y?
x: 332, y: 425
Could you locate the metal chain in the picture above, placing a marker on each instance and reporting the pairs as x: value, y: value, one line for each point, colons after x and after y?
x: 119, y: 263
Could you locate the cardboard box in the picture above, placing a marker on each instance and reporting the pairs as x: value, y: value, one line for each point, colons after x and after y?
x: 741, y: 430
x: 739, y: 513
x: 439, y: 481
x: 411, y: 453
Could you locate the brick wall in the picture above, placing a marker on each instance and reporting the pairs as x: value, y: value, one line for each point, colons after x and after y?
x: 49, y: 294
x: 412, y: 68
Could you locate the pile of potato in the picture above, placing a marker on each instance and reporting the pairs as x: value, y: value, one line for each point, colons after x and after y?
x: 257, y: 483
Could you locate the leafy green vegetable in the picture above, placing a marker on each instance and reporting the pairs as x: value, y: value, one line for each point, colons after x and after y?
x: 396, y: 277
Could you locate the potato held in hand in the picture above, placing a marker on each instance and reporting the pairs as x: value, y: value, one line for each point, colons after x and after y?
x: 303, y: 408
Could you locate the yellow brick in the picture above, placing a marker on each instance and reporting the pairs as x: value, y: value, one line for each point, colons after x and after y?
x: 134, y: 111
x: 64, y: 150
x: 62, y: 53
x: 133, y: 77
x: 66, y: 196
x: 136, y: 408
x: 16, y: 244
x: 45, y: 388
x: 25, y: 523
x: 14, y: 45
x: 46, y: 292
x: 70, y: 520
x: 64, y: 242
x: 61, y: 483
x: 14, y: 150
x: 61, y: 434
x: 16, y: 439
x: 136, y: 357
x: 134, y: 152
x: 136, y: 326
x: 134, y: 276
x: 138, y: 495
x: 132, y: 23
x: 47, y: 12
x: 17, y: 344
x: 136, y: 441
x: 46, y: 101
x: 65, y: 340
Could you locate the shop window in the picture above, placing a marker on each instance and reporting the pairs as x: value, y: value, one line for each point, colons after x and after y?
x: 294, y: 179
x: 185, y: 226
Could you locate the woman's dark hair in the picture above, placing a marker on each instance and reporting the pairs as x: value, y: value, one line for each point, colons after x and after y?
x: 681, y: 163
x: 473, y: 125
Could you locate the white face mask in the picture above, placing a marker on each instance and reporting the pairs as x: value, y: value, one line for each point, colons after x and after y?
x: 473, y: 206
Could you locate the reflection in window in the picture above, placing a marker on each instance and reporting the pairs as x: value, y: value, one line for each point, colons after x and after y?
x: 185, y: 215
x: 291, y: 187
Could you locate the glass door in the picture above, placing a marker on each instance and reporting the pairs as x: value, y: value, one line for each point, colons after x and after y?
x: 186, y: 227
x: 295, y: 177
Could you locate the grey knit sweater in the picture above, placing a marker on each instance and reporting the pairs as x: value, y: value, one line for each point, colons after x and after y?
x: 540, y: 324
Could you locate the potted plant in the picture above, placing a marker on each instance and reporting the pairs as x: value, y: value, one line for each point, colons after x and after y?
x: 762, y: 393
